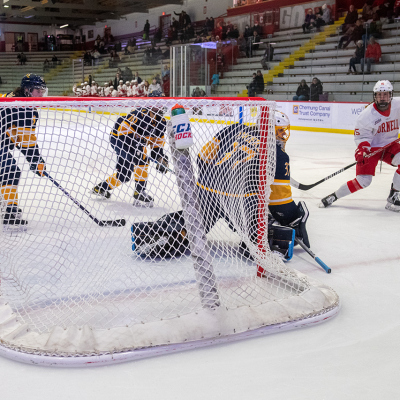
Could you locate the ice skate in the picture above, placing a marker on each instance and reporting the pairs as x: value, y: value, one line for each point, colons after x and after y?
x: 142, y: 199
x: 12, y: 220
x: 393, y: 201
x: 99, y: 191
x: 328, y: 200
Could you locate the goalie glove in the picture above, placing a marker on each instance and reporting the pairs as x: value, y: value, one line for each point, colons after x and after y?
x: 39, y: 167
x: 162, y: 164
x: 363, y: 149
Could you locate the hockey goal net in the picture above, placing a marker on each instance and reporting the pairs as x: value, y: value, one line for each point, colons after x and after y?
x: 74, y: 292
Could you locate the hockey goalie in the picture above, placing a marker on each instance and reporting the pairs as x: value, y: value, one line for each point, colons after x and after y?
x: 228, y: 184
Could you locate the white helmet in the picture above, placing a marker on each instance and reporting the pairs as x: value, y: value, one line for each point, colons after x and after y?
x: 127, y: 83
x: 121, y: 81
x: 282, y: 126
x: 383, y: 86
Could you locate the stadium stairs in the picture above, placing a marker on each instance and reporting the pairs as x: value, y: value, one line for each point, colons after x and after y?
x: 11, y: 73
x: 322, y: 59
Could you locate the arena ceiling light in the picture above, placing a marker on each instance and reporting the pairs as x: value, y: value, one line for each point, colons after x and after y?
x: 64, y: 26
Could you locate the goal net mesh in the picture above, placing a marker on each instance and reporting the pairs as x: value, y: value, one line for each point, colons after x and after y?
x: 69, y: 286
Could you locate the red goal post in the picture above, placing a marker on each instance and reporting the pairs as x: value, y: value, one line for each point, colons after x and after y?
x: 75, y: 293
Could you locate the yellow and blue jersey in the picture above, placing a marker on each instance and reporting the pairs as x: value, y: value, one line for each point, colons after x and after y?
x: 141, y: 127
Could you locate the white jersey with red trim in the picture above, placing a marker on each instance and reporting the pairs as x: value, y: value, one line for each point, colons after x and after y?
x: 378, y: 128
x: 93, y: 91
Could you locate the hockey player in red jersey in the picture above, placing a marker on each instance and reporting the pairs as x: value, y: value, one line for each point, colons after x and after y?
x: 18, y: 125
x: 377, y: 126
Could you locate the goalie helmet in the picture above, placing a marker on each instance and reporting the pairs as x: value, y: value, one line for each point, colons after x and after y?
x: 383, y: 86
x: 32, y: 81
x: 282, y: 127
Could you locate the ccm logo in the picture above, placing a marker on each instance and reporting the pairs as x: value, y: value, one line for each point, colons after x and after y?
x: 182, y: 128
x: 183, y: 135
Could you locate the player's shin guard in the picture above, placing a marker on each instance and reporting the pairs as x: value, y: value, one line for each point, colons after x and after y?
x: 10, y: 198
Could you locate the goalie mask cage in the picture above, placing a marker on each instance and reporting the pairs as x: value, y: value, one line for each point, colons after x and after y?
x: 74, y: 293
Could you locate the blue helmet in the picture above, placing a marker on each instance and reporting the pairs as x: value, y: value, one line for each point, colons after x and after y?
x: 32, y: 81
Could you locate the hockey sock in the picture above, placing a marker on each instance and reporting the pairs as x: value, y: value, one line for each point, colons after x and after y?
x: 396, y: 180
x: 140, y: 186
x: 112, y: 182
x: 344, y: 190
x: 10, y: 194
x: 141, y: 173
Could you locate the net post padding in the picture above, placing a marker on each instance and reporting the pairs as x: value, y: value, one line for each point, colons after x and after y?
x: 193, y: 221
x: 74, y: 293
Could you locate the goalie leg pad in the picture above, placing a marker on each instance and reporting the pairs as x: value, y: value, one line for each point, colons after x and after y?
x: 281, y: 240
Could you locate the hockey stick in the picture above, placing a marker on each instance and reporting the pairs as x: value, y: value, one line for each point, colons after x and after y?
x: 115, y: 222
x: 301, y: 186
x: 317, y: 259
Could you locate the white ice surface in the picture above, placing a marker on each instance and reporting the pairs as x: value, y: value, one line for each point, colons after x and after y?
x: 354, y: 356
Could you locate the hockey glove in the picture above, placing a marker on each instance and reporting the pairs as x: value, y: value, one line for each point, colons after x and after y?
x: 363, y: 149
x: 38, y: 168
x: 162, y: 164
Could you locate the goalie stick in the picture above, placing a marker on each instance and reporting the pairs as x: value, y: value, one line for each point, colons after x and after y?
x: 317, y: 259
x: 115, y: 222
x: 301, y: 186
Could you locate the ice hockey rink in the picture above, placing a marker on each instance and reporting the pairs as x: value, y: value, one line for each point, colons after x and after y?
x: 352, y: 356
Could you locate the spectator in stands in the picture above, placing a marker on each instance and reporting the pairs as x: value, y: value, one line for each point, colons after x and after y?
x: 90, y: 80
x: 395, y: 12
x: 46, y: 66
x: 127, y: 75
x: 351, y: 18
x: 215, y: 81
x: 257, y: 28
x: 309, y: 21
x: 253, y: 44
x: 252, y: 87
x: 21, y: 58
x: 268, y: 56
x: 118, y: 77
x: 158, y: 35
x: 233, y: 33
x: 165, y: 71
x: 198, y: 39
x: 54, y: 60
x: 175, y: 24
x: 374, y: 29
x: 242, y: 45
x: 372, y: 55
x: 146, y: 30
x: 315, y: 89
x: 259, y: 82
x: 87, y: 58
x: 326, y: 15
x: 95, y: 56
x: 211, y: 24
x: 167, y: 53
x: 353, y: 34
x: 302, y: 92
x: 319, y: 21
x: 367, y: 12
x: 154, y: 89
x: 356, y: 59
x: 138, y: 78
x: 247, y: 32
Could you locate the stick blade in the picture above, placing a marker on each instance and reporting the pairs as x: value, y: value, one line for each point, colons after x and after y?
x: 114, y: 222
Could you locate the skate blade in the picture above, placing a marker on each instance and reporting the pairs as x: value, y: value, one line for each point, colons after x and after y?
x: 14, y: 228
x: 137, y: 203
x: 392, y: 207
x: 321, y: 205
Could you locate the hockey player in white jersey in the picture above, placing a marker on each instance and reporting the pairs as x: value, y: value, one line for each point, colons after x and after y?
x: 93, y: 89
x: 377, y: 126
